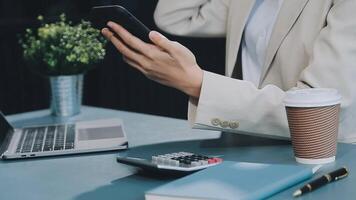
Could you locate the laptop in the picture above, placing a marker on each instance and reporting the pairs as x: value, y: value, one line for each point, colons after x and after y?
x: 61, y: 139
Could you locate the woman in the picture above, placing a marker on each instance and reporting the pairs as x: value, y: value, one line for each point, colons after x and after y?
x: 275, y: 45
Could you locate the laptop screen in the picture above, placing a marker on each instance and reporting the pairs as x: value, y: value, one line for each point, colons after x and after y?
x: 5, y: 127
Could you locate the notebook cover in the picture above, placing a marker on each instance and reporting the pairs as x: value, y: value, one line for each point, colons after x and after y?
x: 233, y: 180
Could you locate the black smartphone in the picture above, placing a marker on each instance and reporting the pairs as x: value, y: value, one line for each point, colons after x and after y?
x: 118, y: 14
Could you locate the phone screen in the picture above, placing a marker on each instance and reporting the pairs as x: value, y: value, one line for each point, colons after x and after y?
x: 118, y: 14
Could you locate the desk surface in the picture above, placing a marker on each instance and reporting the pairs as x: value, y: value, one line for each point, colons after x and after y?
x: 98, y: 176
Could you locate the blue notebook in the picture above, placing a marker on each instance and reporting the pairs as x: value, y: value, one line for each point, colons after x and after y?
x: 233, y: 180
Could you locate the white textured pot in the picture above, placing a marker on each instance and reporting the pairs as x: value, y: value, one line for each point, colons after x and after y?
x: 66, y: 95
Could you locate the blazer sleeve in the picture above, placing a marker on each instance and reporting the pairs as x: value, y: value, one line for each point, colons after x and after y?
x: 261, y: 110
x: 197, y: 18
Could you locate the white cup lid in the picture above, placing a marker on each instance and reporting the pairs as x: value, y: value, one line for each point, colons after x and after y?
x: 312, y: 97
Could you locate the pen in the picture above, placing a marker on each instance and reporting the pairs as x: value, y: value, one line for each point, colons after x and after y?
x: 323, y: 180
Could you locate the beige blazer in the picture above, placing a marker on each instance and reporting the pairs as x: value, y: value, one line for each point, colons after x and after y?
x: 313, y: 44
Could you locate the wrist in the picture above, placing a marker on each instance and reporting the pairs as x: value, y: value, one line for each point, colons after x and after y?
x: 194, y: 86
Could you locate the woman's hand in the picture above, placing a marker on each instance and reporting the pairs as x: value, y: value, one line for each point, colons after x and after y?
x: 166, y: 62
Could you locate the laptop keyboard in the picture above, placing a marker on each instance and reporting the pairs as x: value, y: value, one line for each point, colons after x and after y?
x: 51, y: 138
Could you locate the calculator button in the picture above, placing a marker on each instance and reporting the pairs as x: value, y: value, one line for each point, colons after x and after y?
x: 196, y: 163
x: 204, y: 162
x: 154, y: 159
x: 211, y: 161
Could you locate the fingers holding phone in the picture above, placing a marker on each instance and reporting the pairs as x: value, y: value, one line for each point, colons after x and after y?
x: 160, y: 59
x: 127, y: 52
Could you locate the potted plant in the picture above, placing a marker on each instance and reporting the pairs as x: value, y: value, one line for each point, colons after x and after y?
x: 63, y: 51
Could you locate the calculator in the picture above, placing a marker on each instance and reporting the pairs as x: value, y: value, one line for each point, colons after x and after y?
x: 178, y: 162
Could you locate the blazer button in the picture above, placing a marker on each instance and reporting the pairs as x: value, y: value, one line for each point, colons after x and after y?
x: 224, y: 124
x: 234, y: 125
x: 215, y: 122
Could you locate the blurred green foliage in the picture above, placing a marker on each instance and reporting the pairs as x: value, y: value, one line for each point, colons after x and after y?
x: 62, y: 48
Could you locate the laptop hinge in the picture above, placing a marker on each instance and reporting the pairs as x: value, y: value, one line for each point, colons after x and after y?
x: 6, y: 142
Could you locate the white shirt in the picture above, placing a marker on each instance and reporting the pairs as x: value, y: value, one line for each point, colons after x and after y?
x: 257, y: 34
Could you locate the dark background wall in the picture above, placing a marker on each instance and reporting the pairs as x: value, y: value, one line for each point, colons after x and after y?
x: 112, y: 84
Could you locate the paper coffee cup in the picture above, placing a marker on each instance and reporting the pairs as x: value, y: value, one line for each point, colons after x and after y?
x: 313, y: 119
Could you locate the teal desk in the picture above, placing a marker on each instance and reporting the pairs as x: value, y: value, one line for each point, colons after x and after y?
x: 98, y: 176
